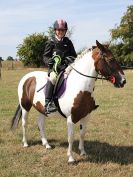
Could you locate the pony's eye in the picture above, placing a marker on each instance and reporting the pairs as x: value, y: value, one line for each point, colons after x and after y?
x: 111, y: 60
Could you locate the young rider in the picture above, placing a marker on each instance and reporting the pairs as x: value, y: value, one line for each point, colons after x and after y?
x: 61, y: 47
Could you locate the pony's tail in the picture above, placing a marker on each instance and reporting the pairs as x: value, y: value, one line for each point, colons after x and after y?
x: 16, y: 118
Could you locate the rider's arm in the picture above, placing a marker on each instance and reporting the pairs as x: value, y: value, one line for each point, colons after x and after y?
x: 72, y: 50
x: 48, y: 53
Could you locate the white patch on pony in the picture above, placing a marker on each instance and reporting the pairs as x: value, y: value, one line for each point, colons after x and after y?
x: 41, y: 80
x: 86, y: 66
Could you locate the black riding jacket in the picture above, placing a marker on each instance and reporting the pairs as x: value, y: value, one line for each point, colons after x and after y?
x: 63, y: 48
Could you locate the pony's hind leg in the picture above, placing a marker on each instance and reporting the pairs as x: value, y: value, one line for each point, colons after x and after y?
x: 24, y: 126
x: 41, y: 125
x: 83, y: 123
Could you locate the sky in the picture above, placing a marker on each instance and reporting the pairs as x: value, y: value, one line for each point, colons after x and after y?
x: 90, y: 20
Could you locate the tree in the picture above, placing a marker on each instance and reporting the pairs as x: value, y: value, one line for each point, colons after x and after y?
x: 122, y: 37
x: 31, y: 51
x: 9, y: 58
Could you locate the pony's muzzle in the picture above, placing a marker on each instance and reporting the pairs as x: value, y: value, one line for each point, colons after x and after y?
x: 123, y: 82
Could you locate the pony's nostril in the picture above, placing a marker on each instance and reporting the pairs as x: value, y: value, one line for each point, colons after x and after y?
x: 124, y: 81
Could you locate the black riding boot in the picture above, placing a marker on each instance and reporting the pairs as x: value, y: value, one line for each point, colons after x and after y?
x: 49, y: 105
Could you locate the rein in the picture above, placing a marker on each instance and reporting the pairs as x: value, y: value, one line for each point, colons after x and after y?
x: 103, y: 78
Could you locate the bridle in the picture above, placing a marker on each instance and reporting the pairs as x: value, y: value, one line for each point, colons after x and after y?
x: 98, y: 73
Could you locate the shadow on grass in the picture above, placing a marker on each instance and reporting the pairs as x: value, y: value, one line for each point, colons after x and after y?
x: 100, y: 152
x: 97, y: 152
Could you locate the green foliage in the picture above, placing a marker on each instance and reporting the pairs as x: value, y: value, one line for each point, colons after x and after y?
x: 122, y: 37
x: 31, y: 51
x: 10, y: 58
x: 51, y: 32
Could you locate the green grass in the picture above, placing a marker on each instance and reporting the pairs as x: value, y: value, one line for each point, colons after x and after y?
x: 108, y: 142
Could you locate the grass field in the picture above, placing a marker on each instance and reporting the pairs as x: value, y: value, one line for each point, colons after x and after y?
x: 108, y: 142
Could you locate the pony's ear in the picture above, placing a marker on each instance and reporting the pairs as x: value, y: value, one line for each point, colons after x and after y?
x: 100, y: 46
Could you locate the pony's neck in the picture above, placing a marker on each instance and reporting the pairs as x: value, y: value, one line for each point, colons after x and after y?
x: 85, y: 64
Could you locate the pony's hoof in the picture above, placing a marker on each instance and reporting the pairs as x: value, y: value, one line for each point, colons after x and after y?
x: 71, y: 160
x: 25, y: 145
x: 48, y: 146
x: 83, y: 153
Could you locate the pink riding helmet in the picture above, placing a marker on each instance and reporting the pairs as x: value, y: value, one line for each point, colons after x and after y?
x: 60, y: 24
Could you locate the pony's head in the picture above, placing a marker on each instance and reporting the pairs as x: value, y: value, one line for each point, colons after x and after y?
x: 106, y: 65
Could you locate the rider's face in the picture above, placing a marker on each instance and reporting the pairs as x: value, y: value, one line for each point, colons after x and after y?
x: 60, y: 33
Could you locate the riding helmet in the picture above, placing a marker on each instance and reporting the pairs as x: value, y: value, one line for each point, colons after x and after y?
x: 60, y: 24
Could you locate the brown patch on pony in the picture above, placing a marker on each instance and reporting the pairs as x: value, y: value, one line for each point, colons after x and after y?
x: 96, y: 54
x: 38, y: 106
x: 97, y: 57
x: 100, y: 62
x: 84, y: 103
x: 28, y: 93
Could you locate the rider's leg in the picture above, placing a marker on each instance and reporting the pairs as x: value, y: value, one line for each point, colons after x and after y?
x: 49, y: 94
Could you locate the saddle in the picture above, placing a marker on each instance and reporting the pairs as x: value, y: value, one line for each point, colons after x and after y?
x: 60, y: 86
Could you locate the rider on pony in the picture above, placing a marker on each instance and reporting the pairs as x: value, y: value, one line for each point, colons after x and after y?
x: 56, y: 56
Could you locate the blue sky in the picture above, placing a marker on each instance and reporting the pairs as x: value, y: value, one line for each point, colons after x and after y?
x: 90, y: 20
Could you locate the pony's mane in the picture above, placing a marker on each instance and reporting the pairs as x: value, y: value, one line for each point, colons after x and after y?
x: 83, y: 53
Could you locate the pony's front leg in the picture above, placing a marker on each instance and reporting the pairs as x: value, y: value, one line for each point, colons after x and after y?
x: 70, y: 139
x: 41, y: 125
x: 83, y: 123
x: 24, y: 126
